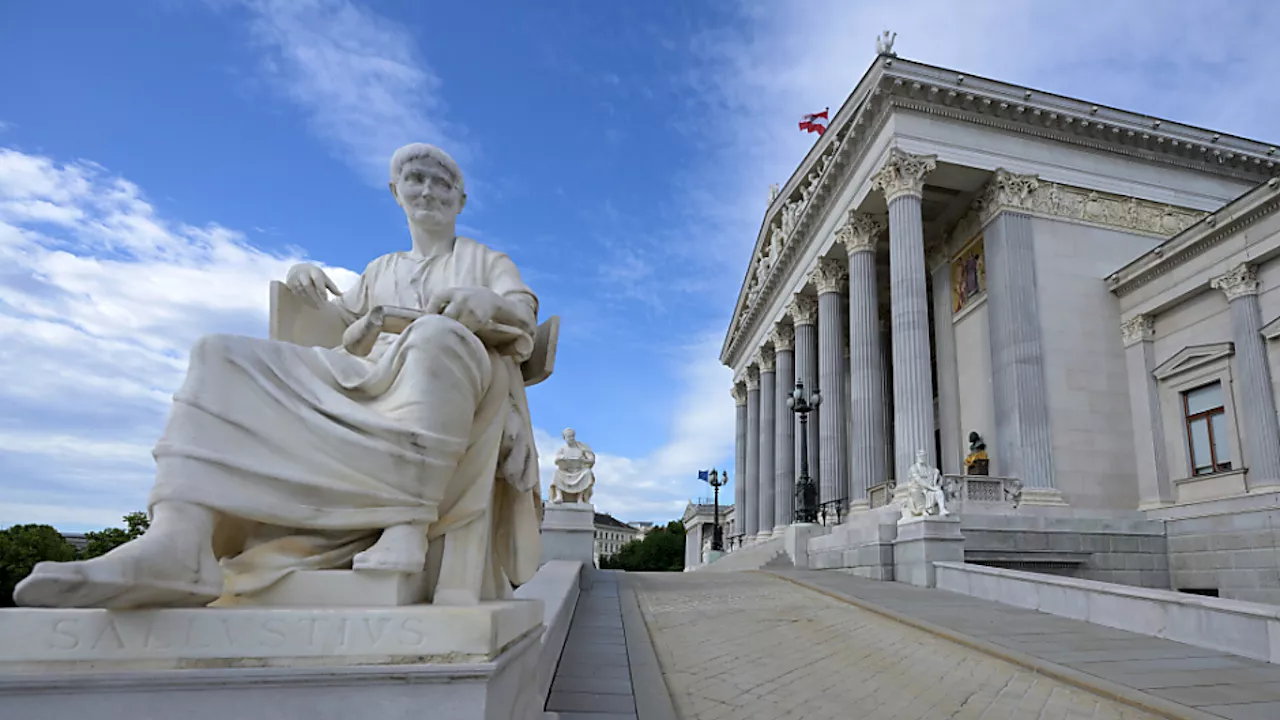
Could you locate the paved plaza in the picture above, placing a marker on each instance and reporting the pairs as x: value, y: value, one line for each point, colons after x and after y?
x: 753, y: 645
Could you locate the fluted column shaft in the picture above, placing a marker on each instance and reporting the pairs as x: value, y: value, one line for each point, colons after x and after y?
x: 833, y: 471
x: 1259, y: 423
x: 751, y: 503
x: 739, y: 393
x: 1021, y: 399
x: 784, y: 427
x: 867, y: 406
x: 944, y: 343
x: 909, y: 313
x: 768, y: 423
x: 807, y: 373
x: 1154, y: 489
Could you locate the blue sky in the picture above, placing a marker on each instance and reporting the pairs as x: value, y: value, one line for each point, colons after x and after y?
x: 161, y: 161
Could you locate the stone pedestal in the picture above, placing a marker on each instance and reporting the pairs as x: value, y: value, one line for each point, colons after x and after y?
x: 338, y: 588
x: 213, y: 663
x: 796, y: 541
x: 568, y: 532
x: 923, y: 541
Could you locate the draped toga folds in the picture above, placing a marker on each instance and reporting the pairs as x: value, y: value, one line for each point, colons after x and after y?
x: 309, y: 453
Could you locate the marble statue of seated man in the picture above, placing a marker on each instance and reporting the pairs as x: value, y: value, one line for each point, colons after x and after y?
x: 923, y: 493
x: 408, y: 448
x: 574, y: 476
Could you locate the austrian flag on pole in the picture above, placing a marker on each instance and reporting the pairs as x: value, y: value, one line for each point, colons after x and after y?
x: 815, y: 123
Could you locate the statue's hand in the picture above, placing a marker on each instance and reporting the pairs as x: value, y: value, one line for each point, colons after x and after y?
x: 310, y: 283
x: 473, y: 307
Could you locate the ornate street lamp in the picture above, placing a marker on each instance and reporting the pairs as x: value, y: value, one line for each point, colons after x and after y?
x: 716, y: 481
x: 806, y: 488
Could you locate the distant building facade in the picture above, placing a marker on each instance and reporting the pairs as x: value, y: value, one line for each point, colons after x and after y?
x: 611, y: 535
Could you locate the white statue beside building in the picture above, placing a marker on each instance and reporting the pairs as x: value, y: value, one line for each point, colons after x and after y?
x: 575, y: 475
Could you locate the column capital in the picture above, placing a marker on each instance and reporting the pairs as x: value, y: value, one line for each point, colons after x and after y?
x: 739, y: 393
x: 1139, y: 328
x: 903, y: 174
x: 765, y: 358
x: 860, y: 232
x: 753, y: 378
x: 1006, y: 191
x: 803, y: 309
x: 1237, y: 282
x: 829, y: 275
x: 783, y: 337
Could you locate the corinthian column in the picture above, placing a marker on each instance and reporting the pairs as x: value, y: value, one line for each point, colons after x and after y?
x: 751, y: 503
x: 1024, y: 441
x: 859, y: 235
x: 902, y: 182
x: 739, y: 392
x: 768, y: 400
x: 804, y: 313
x: 1154, y: 490
x: 1260, y: 428
x: 783, y: 337
x: 833, y: 472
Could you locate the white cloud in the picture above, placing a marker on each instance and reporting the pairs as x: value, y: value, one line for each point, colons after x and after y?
x: 100, y: 298
x: 358, y: 77
x: 657, y: 486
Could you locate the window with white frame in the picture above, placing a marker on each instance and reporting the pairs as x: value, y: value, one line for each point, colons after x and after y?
x: 1206, y: 418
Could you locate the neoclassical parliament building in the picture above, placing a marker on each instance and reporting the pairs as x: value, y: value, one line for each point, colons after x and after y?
x: 1073, y: 311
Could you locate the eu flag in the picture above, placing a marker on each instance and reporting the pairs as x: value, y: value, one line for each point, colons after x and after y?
x: 704, y: 475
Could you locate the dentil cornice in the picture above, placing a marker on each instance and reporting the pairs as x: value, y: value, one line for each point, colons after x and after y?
x: 1139, y: 328
x: 1238, y: 282
x: 903, y: 174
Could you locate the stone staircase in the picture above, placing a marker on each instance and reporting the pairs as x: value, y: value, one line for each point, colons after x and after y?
x: 769, y: 553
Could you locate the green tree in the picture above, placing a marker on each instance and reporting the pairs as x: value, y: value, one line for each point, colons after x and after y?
x: 662, y: 550
x: 103, y: 541
x: 21, y: 547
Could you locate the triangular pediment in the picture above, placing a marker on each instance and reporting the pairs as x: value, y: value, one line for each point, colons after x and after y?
x: 1192, y: 357
x: 1271, y: 330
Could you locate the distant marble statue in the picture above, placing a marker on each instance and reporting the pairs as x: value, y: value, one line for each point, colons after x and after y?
x: 411, y: 432
x: 773, y: 192
x: 977, y: 462
x: 884, y: 44
x: 923, y: 494
x: 574, y: 476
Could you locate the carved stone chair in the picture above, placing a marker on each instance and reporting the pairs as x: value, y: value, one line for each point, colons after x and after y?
x: 294, y: 321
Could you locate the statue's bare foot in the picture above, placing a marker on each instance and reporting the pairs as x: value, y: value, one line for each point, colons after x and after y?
x: 402, y: 548
x: 159, y: 569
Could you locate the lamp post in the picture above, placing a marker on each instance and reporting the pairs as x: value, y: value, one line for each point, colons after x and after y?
x: 806, y: 489
x: 716, y: 482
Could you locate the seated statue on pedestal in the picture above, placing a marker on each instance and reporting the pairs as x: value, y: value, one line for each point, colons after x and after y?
x: 923, y: 494
x: 405, y: 447
x: 574, y: 477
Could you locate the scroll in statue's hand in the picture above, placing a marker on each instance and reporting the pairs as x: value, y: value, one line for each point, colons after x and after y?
x: 360, y: 337
x: 473, y: 307
x: 310, y: 283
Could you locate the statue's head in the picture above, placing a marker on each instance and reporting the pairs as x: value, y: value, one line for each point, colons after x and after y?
x: 919, y: 457
x: 427, y: 184
x: 568, y: 435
